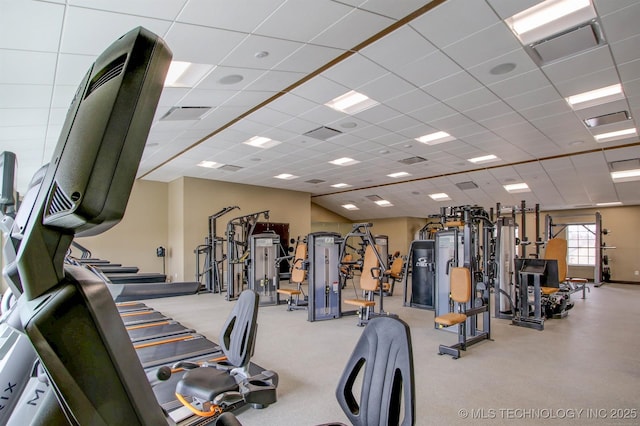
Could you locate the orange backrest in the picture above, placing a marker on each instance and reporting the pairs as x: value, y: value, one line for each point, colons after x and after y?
x: 396, y: 267
x: 460, y: 284
x: 297, y: 273
x: 370, y: 270
x: 557, y: 249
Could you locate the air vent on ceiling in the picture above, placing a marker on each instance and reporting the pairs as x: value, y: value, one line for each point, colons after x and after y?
x: 230, y: 168
x: 373, y: 197
x: 323, y: 133
x: 185, y: 113
x: 570, y: 42
x: 467, y: 185
x: 315, y: 181
x: 412, y: 160
x: 601, y: 120
x: 631, y: 164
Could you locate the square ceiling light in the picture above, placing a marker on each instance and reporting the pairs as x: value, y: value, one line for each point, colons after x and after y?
x: 351, y: 103
x: 625, y: 175
x: 261, y: 142
x: 435, y: 138
x: 618, y: 134
x: 440, y: 196
x: 186, y: 74
x: 350, y: 207
x: 399, y: 175
x: 340, y: 185
x: 286, y: 176
x: 548, y: 18
x: 383, y: 203
x: 515, y: 188
x: 595, y: 97
x: 344, y: 161
x: 210, y: 164
x: 483, y: 159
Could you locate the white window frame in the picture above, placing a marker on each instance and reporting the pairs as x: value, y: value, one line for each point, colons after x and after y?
x: 581, y: 244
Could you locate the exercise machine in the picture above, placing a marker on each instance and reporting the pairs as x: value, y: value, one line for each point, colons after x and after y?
x: 422, y: 260
x: 505, y: 255
x: 323, y: 275
x: 263, y: 273
x: 465, y: 240
x: 213, y: 255
x: 239, y: 229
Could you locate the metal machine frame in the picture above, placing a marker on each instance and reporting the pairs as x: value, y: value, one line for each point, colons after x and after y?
x: 263, y: 275
x: 323, y: 276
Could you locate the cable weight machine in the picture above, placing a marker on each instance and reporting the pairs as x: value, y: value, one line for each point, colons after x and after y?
x: 213, y: 255
x: 239, y: 229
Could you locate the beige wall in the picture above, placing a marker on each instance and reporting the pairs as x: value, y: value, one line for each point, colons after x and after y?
x: 201, y: 198
x: 134, y: 240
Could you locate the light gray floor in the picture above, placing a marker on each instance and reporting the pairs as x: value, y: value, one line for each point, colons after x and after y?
x: 583, y: 369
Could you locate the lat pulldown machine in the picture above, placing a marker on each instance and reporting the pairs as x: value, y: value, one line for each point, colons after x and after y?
x: 213, y: 256
x: 239, y: 229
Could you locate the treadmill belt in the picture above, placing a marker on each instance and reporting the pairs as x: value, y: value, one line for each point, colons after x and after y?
x: 131, y: 306
x: 168, y: 353
x: 141, y: 317
x: 154, y: 330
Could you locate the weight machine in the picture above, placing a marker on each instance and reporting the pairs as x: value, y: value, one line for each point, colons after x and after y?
x: 323, y: 275
x: 213, y: 255
x: 363, y: 232
x: 601, y: 270
x: 458, y: 244
x: 263, y: 275
x: 239, y: 229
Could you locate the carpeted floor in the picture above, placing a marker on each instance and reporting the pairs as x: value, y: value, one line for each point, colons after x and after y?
x: 583, y: 369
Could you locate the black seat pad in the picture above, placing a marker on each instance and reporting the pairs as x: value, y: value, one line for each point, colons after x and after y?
x: 206, y: 383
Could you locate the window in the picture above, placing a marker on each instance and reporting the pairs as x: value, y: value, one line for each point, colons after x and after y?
x: 581, y: 245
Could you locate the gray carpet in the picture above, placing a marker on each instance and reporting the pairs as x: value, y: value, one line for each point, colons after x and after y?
x: 583, y: 369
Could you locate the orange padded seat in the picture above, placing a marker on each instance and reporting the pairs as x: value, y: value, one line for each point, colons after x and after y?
x: 460, y: 293
x: 369, y: 282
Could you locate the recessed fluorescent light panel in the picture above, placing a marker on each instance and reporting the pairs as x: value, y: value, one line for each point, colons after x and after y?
x: 340, y: 185
x: 383, y: 203
x: 261, y: 142
x: 612, y: 203
x: 186, y: 74
x: 350, y: 207
x: 344, y: 161
x: 515, y: 188
x: 210, y: 164
x: 286, y: 176
x: 352, y: 103
x: 435, y: 138
x: 618, y: 134
x: 548, y: 18
x: 399, y: 175
x: 484, y: 159
x: 595, y: 97
x: 440, y: 196
x: 626, y: 175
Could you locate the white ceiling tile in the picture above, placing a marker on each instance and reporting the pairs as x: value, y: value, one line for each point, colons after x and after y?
x: 626, y: 50
x: 593, y: 60
x: 411, y: 101
x: 25, y: 96
x: 590, y: 81
x: 491, y: 42
x: 22, y: 67
x: 354, y: 71
x: 522, y: 61
x: 247, y: 53
x: 308, y: 58
x: 387, y: 87
x: 30, y: 25
x: 519, y: 84
x: 429, y: 69
x: 245, y: 16
x: 287, y: 23
x: 454, y: 85
x: 340, y: 34
x: 454, y: 20
x: 387, y: 53
x: 621, y: 24
x: 186, y: 42
x: 103, y: 27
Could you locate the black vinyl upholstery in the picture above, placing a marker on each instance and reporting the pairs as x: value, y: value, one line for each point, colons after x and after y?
x: 384, y: 357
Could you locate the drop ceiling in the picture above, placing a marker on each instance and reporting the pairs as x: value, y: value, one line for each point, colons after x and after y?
x: 452, y: 66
